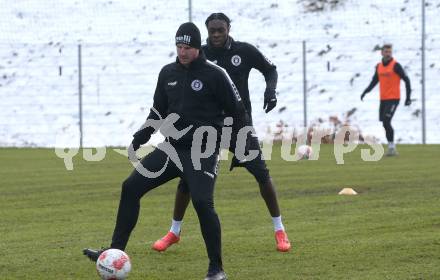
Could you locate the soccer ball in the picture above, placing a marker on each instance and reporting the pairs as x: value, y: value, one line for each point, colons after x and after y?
x: 304, y: 152
x: 113, y: 264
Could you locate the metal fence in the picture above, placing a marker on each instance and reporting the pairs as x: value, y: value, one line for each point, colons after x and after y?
x: 97, y: 91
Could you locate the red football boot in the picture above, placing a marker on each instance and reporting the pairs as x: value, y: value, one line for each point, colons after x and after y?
x: 162, y: 244
x: 283, y: 243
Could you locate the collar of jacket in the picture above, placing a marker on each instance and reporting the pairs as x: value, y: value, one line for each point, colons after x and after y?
x: 227, y: 46
x: 197, y: 63
x: 388, y: 62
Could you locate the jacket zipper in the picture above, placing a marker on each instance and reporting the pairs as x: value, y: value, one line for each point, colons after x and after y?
x: 185, y: 83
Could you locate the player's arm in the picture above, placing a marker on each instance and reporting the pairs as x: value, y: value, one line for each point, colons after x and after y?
x: 229, y: 97
x: 401, y: 72
x: 230, y: 100
x: 157, y: 112
x: 373, y: 83
x: 269, y: 71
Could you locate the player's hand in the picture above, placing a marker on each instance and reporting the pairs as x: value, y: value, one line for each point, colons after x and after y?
x: 363, y: 95
x: 141, y: 137
x: 132, y: 153
x: 408, y: 102
x: 270, y: 100
x: 136, y: 144
x: 235, y: 163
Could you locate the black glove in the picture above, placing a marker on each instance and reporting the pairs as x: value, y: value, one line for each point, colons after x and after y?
x: 136, y: 144
x: 235, y: 163
x: 141, y: 137
x: 270, y: 99
x: 363, y: 95
x: 408, y: 102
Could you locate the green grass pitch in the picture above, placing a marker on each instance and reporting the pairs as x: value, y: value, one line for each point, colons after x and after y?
x: 391, y: 230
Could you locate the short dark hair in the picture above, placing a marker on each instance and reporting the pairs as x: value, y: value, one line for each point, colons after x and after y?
x: 387, y: 46
x: 220, y: 16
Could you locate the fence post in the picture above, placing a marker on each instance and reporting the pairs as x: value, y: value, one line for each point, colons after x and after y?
x: 80, y: 96
x: 423, y: 74
x: 190, y: 10
x: 304, y: 84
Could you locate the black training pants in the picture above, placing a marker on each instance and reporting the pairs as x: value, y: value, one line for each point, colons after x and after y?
x: 257, y: 167
x: 201, y: 186
x: 387, y: 109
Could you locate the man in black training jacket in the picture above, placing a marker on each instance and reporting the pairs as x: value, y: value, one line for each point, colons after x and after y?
x: 199, y: 92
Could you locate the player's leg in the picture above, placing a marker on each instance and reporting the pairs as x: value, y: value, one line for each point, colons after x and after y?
x: 182, y: 201
x: 201, y: 185
x: 258, y: 169
x: 180, y: 204
x: 387, y: 110
x: 133, y: 188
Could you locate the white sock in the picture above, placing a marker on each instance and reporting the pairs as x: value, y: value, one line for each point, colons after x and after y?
x: 277, y: 223
x: 391, y: 145
x: 175, y: 227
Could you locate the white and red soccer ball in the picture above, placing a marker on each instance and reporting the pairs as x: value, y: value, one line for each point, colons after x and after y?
x: 113, y: 264
x: 304, y: 152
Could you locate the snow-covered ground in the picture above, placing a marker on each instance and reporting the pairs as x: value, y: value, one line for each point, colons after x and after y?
x: 125, y: 43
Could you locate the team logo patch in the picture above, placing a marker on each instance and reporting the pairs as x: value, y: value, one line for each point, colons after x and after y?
x: 236, y: 60
x: 185, y: 39
x: 196, y: 85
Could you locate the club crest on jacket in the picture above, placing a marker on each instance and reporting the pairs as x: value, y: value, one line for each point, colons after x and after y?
x: 236, y: 60
x: 196, y: 85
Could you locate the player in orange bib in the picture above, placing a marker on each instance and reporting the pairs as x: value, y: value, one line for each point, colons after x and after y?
x: 388, y: 74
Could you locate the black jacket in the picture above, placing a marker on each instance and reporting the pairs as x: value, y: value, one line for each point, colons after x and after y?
x: 200, y: 94
x: 238, y: 58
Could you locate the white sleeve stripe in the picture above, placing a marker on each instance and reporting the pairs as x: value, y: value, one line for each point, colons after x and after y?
x: 231, y: 83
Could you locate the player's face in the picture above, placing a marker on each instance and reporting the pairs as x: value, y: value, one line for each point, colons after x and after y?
x: 218, y: 32
x: 186, y: 54
x: 387, y: 54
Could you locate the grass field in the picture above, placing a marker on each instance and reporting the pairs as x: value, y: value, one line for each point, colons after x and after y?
x: 391, y: 230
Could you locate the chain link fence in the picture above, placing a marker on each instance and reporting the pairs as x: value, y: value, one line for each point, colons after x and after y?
x: 124, y: 45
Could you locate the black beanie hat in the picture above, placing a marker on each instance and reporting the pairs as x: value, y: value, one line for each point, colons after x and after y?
x: 189, y: 34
